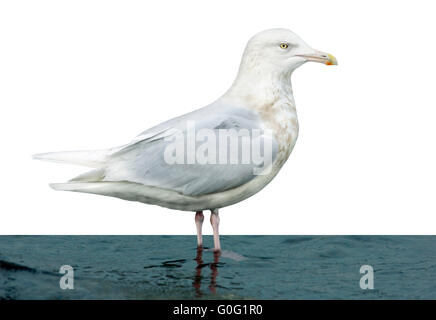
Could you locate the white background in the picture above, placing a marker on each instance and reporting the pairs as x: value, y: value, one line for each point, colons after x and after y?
x: 94, y: 74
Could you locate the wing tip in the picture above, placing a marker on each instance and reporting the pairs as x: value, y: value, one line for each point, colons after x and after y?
x: 74, y: 186
x: 57, y: 186
x: 66, y: 186
x: 38, y: 156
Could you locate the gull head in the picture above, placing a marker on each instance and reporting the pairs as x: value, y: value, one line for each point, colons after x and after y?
x: 280, y: 51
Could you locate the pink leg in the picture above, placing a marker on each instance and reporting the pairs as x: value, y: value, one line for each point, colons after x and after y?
x: 215, y: 221
x: 199, y: 218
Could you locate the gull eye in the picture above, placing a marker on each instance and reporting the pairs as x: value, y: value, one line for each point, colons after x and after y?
x: 284, y: 45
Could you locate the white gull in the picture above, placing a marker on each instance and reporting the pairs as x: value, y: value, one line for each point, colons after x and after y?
x: 259, y: 99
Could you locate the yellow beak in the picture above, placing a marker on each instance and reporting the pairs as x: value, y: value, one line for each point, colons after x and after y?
x: 331, y: 60
x: 321, y: 57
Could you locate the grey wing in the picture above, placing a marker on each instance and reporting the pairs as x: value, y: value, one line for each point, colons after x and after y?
x: 154, y: 159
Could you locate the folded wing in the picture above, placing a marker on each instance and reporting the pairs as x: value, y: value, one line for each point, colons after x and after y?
x: 145, y: 160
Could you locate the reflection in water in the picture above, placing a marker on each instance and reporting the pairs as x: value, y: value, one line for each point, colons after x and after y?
x: 198, y: 269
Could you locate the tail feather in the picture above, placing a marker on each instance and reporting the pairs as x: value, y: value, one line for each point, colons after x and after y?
x: 93, y: 159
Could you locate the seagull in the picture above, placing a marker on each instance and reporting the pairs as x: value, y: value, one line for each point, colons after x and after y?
x: 259, y: 101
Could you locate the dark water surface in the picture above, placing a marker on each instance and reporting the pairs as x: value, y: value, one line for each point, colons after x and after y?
x: 250, y: 267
